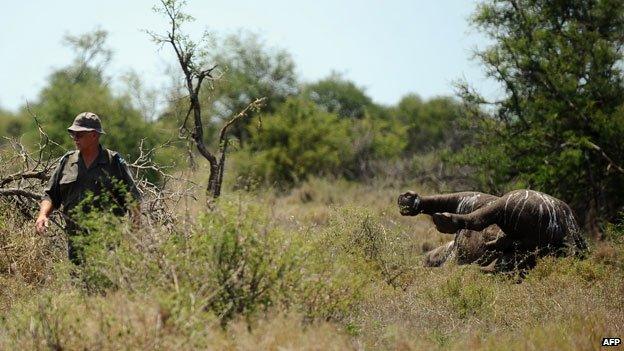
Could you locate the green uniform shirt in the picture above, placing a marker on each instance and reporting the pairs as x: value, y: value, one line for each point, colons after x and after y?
x: 108, y: 175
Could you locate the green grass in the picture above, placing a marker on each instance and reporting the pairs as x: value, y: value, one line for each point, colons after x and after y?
x: 329, y: 265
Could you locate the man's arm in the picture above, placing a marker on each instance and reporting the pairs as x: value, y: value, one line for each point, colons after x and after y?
x: 51, y: 199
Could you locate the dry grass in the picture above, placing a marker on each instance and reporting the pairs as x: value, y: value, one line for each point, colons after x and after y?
x: 346, y: 240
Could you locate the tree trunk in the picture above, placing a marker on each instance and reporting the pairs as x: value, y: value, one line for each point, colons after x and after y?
x: 592, y: 222
x: 214, y: 185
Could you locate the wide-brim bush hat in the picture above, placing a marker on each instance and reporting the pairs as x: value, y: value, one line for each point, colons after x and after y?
x: 86, y: 122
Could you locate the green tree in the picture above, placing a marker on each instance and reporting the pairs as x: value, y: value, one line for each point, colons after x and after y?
x: 249, y: 70
x: 297, y: 141
x: 559, y: 125
x: 338, y: 95
x: 374, y: 143
x: 431, y: 125
x: 11, y: 125
x: 375, y: 136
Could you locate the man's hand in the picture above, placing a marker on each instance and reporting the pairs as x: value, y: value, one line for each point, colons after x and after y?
x: 43, y: 220
x: 42, y: 224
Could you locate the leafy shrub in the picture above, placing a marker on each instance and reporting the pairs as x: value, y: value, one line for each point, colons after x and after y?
x: 253, y: 266
x: 587, y: 271
x: 389, y: 253
x: 615, y: 231
x: 375, y: 142
x: 431, y: 124
x: 335, y: 94
x: 296, y: 142
x: 468, y: 294
x: 232, y: 262
x: 232, y: 267
x: 10, y: 125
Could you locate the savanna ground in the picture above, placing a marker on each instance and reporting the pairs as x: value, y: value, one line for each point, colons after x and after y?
x: 330, y: 265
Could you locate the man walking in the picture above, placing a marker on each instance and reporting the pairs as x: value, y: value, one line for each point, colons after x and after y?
x: 91, y: 170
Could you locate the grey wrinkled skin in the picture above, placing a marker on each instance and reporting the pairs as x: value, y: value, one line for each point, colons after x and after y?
x: 498, y: 233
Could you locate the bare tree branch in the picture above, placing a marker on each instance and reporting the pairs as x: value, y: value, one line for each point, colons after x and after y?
x: 41, y: 175
x: 253, y: 106
x: 20, y: 192
x: 612, y: 164
x: 194, y: 76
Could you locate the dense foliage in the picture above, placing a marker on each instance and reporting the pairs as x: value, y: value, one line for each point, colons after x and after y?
x: 340, y: 96
x: 10, y: 125
x: 431, y: 125
x: 298, y: 141
x: 559, y: 126
x: 250, y: 69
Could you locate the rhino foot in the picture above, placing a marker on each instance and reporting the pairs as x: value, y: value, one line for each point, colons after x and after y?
x: 444, y: 223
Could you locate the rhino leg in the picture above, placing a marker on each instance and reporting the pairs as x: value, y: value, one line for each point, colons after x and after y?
x: 478, y: 220
x: 501, y: 243
x: 438, y: 256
